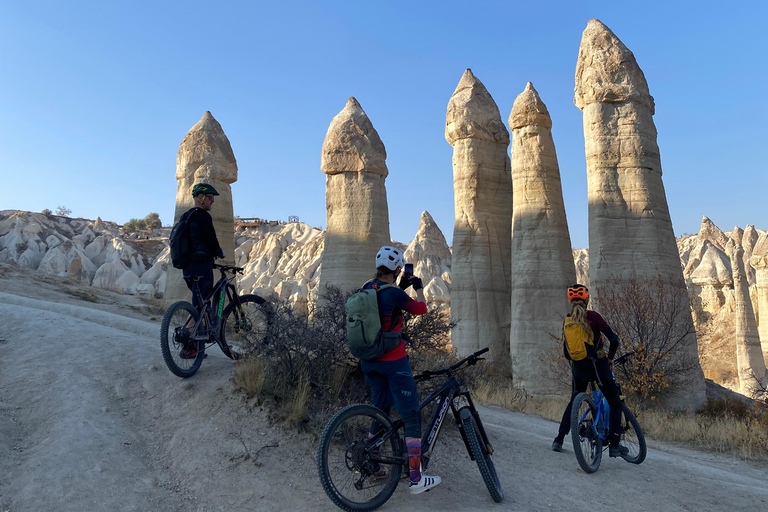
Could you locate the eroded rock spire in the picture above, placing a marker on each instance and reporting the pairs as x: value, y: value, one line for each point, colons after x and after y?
x: 354, y: 162
x: 542, y: 261
x: 481, y: 235
x: 630, y: 231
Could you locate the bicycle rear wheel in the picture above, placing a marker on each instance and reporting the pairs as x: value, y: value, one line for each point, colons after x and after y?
x: 479, y: 452
x: 348, y: 473
x: 244, y: 325
x: 176, y: 334
x: 632, y: 437
x: 584, y: 432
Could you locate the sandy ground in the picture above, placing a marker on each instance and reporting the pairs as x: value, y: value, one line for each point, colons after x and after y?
x: 91, y: 420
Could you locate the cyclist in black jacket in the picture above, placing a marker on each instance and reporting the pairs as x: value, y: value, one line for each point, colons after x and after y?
x: 205, y: 247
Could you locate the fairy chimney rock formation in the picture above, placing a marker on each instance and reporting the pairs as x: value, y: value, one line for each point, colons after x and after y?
x: 354, y: 162
x: 749, y: 356
x: 542, y: 260
x: 759, y: 261
x: 205, y: 156
x: 630, y: 231
x: 482, y: 189
x: 431, y: 259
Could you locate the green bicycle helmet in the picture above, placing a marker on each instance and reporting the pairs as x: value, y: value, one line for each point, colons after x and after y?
x: 203, y: 188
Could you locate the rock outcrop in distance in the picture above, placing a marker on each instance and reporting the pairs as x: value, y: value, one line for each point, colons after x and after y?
x: 542, y: 259
x: 432, y: 261
x: 749, y: 357
x: 205, y: 156
x: 630, y: 231
x: 354, y: 162
x: 91, y: 252
x: 482, y: 188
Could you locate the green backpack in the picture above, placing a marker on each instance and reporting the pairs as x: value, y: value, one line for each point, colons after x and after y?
x: 365, y: 339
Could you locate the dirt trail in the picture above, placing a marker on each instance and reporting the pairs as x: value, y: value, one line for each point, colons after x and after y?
x: 90, y: 419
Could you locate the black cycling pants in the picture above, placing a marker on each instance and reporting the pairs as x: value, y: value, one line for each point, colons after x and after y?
x: 204, y: 271
x: 583, y: 372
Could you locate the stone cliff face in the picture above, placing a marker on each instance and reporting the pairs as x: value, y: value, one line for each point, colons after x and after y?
x: 482, y: 188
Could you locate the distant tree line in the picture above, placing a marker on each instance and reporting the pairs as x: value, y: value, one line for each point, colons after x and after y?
x: 148, y: 223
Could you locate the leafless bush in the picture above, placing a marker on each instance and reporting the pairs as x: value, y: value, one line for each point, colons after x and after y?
x: 653, y: 318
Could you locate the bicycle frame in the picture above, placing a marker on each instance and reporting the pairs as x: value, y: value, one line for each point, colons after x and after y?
x: 226, y: 290
x: 602, y: 416
x: 447, y: 396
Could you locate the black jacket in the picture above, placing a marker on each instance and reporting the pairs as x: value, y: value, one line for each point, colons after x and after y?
x: 205, y: 245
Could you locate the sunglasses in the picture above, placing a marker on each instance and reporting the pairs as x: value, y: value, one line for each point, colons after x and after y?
x: 210, y: 198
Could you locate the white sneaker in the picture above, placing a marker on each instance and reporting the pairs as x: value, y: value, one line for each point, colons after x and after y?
x: 425, y: 484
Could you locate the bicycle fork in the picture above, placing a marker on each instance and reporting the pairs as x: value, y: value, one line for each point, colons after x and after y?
x: 469, y: 411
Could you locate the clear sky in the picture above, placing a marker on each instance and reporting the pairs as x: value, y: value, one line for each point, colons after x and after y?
x: 95, y: 97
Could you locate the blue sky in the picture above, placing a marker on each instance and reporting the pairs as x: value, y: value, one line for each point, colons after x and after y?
x: 96, y: 96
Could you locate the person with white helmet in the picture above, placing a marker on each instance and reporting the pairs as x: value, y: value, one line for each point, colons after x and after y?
x: 390, y: 376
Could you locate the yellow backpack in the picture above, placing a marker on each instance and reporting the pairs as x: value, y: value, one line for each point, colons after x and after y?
x: 578, y: 342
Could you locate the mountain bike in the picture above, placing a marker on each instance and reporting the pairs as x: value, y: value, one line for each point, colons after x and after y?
x: 360, y: 439
x: 185, y: 332
x: 590, y: 426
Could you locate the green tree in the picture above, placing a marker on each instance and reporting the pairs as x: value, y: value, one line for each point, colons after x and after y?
x: 63, y: 211
x: 152, y: 221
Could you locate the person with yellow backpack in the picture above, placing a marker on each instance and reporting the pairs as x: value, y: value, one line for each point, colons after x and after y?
x: 583, y: 347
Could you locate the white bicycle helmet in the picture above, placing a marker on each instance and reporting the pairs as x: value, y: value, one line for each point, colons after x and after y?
x: 390, y: 257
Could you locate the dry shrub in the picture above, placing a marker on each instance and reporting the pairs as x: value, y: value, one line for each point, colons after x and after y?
x: 304, y: 365
x: 653, y: 318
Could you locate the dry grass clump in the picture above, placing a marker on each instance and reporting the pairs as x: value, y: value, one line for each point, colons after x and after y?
x: 722, y: 426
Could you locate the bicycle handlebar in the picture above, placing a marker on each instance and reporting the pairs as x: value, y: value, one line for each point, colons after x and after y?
x: 229, y: 268
x: 625, y: 358
x: 469, y: 361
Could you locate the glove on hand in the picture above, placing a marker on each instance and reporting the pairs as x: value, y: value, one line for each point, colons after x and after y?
x: 220, y: 253
x: 404, y: 282
x: 416, y: 283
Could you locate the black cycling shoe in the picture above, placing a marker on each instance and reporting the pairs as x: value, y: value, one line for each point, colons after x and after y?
x: 617, y: 451
x: 557, y: 446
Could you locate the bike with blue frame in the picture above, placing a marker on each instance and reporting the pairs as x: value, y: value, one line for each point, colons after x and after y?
x: 590, y: 427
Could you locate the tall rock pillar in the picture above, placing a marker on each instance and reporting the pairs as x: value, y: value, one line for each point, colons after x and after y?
x: 542, y: 261
x: 205, y: 156
x: 354, y: 161
x: 630, y: 231
x: 759, y: 261
x: 749, y: 356
x: 481, y: 235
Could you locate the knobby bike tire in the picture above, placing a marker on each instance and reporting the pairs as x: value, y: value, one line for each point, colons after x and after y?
x: 244, y: 326
x: 174, y: 320
x: 586, y: 443
x: 343, y: 461
x: 483, y: 459
x: 632, y: 437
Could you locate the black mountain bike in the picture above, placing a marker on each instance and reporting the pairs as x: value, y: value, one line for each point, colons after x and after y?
x: 350, y: 455
x: 590, y: 426
x: 185, y: 332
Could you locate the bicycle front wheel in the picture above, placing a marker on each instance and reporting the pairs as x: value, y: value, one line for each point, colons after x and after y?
x: 244, y: 326
x: 632, y: 437
x: 479, y: 452
x: 352, y: 470
x: 181, y: 354
x: 584, y: 431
